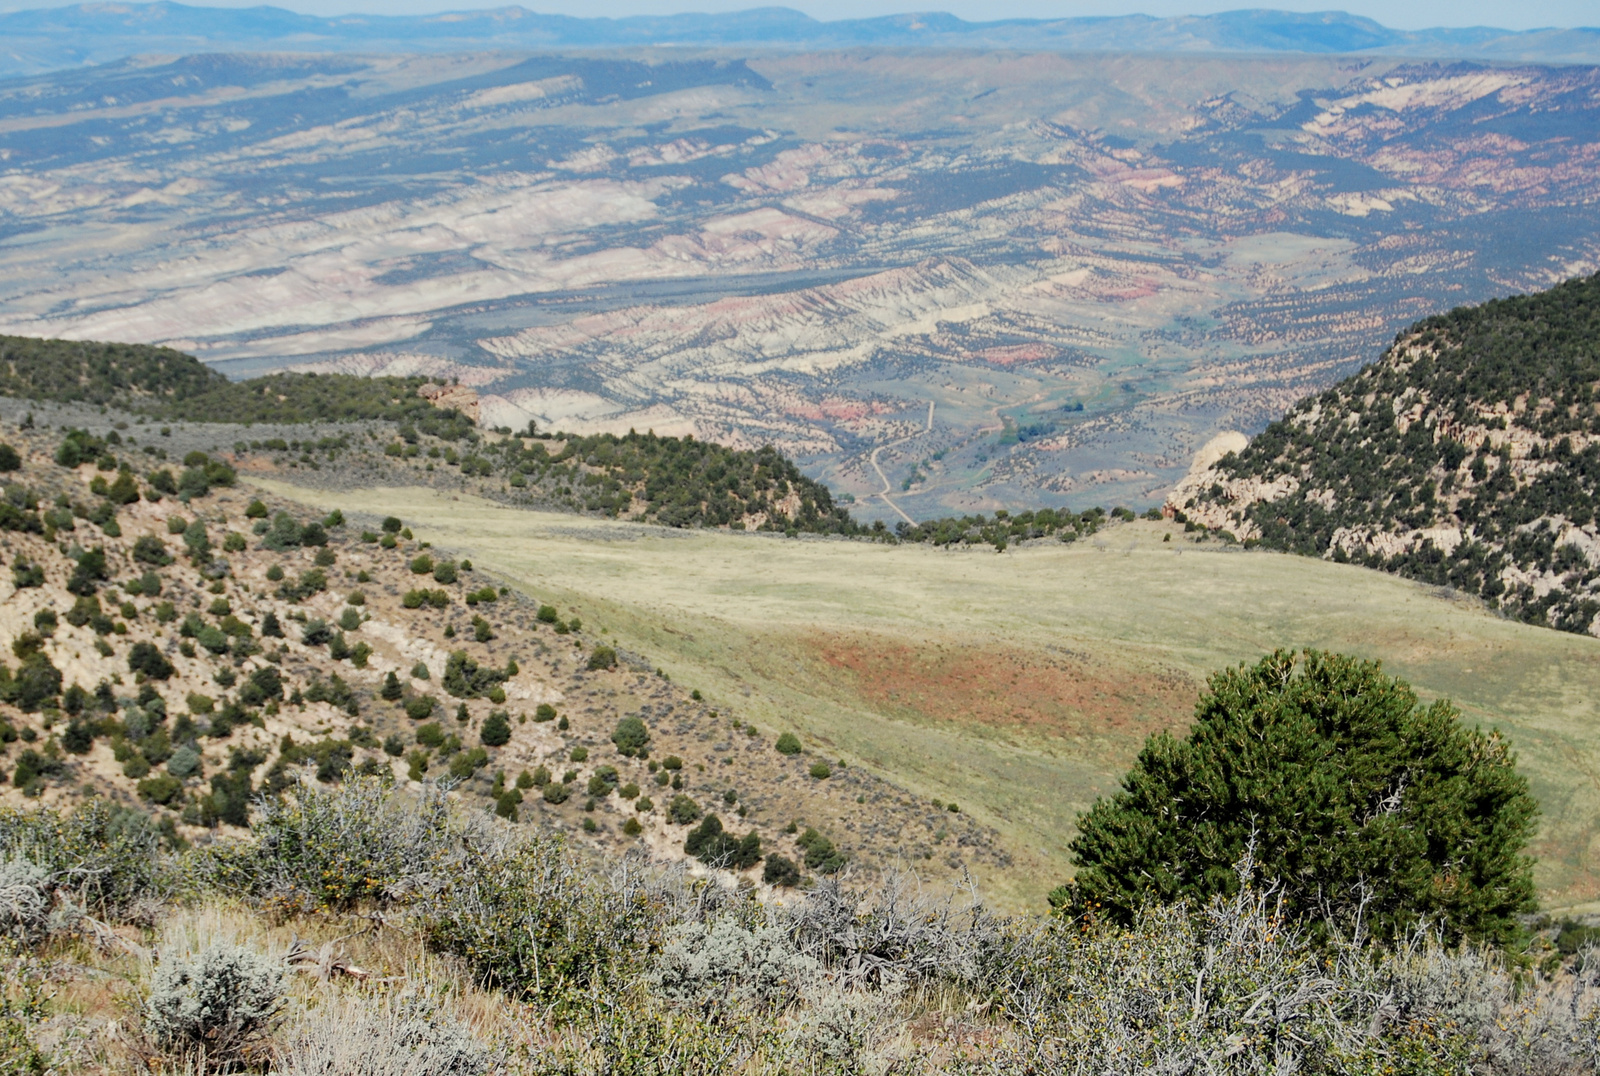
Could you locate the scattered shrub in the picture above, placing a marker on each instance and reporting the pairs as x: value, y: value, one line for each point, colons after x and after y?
x: 683, y: 810
x: 149, y: 549
x: 603, y: 781
x: 37, y: 681
x: 144, y: 657
x: 781, y: 872
x: 708, y: 843
x: 820, y: 853
x: 465, y: 678
x: 185, y: 762
x: 162, y: 788
x: 603, y: 657
x: 339, y: 846
x: 631, y: 736
x: 496, y: 731
x: 216, y: 1006
x: 788, y: 744
x: 387, y: 1036
x: 464, y: 764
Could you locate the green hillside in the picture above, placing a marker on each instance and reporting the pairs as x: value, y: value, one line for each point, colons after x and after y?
x: 164, y: 383
x: 679, y: 482
x: 1022, y: 686
x: 1467, y: 456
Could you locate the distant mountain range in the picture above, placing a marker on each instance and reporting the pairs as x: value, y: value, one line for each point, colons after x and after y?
x: 49, y: 39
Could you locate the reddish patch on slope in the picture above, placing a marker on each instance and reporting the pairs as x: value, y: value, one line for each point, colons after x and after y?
x: 1010, y: 355
x: 836, y: 408
x: 1055, y: 694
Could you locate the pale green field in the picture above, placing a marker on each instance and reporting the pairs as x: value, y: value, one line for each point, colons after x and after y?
x: 841, y: 641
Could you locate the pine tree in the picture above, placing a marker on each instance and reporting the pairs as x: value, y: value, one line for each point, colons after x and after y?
x: 496, y: 731
x: 1353, y: 796
x: 391, y: 691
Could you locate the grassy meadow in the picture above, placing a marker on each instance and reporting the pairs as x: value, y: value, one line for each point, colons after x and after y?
x: 1020, y: 685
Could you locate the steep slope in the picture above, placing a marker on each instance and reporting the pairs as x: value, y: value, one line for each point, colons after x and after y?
x: 163, y: 382
x: 1467, y: 456
x: 180, y: 647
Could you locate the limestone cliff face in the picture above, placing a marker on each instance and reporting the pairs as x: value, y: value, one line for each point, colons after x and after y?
x: 446, y: 397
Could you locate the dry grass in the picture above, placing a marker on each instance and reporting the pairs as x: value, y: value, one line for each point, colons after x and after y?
x: 751, y: 621
x: 95, y: 994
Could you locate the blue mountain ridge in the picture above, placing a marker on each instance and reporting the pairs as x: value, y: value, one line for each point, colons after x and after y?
x: 39, y: 40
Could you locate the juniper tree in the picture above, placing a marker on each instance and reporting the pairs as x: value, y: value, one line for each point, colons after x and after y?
x: 1353, y: 794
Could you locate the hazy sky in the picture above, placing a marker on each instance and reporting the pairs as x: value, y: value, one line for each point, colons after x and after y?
x: 1407, y: 15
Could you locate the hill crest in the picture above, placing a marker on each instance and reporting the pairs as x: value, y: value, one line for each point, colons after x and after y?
x: 1468, y: 455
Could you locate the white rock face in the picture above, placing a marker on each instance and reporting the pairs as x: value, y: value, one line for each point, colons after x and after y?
x: 806, y: 252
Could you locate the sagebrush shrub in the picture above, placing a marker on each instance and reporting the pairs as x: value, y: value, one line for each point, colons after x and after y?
x: 25, y: 892
x: 727, y: 962
x: 214, y: 1006
x: 532, y: 922
x: 106, y: 857
x: 382, y: 1037
x: 334, y: 847
x: 895, y: 934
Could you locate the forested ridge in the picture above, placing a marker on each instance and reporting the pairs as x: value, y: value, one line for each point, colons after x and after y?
x: 163, y: 383
x: 1468, y: 455
x: 679, y: 482
x: 674, y: 481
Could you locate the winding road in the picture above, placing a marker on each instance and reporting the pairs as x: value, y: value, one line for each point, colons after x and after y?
x: 884, y: 493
